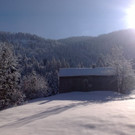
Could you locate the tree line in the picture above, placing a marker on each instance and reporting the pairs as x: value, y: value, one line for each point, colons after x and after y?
x: 29, y: 64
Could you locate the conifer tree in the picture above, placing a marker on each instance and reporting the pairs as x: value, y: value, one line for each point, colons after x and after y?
x: 10, y: 93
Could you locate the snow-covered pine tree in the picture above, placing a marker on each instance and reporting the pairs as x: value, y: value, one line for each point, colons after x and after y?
x: 10, y: 93
x: 101, y: 61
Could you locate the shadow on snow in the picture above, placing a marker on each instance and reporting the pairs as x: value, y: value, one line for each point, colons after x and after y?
x: 94, y: 97
x: 85, y: 98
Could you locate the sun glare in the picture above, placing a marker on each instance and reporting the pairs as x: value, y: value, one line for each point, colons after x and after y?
x: 131, y: 17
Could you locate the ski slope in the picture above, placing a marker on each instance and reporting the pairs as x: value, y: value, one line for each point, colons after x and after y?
x: 76, y: 113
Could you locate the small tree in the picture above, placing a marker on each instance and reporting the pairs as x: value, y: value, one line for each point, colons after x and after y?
x: 124, y: 71
x: 10, y: 93
x: 35, y: 86
x: 52, y: 78
x: 101, y: 61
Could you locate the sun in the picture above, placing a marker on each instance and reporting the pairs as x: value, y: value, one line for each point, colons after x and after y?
x: 130, y: 17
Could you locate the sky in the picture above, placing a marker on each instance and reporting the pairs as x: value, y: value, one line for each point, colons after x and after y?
x: 57, y: 19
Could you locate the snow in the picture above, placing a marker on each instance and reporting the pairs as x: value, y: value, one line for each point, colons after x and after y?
x: 76, y: 113
x: 86, y: 71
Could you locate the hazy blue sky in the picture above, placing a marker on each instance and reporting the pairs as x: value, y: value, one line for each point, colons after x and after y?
x: 63, y: 18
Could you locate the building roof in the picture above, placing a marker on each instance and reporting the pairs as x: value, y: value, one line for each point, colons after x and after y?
x: 98, y: 71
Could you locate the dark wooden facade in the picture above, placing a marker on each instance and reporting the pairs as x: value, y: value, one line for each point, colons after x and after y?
x: 87, y: 83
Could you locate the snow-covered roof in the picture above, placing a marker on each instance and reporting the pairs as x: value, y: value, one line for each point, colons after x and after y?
x: 102, y: 71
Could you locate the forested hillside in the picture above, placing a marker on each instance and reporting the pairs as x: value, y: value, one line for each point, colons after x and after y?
x: 41, y: 58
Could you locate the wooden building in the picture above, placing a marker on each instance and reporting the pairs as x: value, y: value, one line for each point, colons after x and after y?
x: 87, y: 79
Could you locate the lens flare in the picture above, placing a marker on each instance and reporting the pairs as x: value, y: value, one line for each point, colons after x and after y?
x: 131, y: 17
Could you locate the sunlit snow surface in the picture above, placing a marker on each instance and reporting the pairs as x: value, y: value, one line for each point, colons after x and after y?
x: 76, y: 113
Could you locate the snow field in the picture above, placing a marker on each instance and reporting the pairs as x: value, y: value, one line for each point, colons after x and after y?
x: 76, y: 113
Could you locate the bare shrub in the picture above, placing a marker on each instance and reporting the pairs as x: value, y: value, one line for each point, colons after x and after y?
x: 35, y: 86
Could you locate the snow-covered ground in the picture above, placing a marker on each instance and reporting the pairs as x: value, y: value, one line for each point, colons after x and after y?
x: 76, y: 113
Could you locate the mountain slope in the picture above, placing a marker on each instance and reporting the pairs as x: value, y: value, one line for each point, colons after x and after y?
x: 74, y: 50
